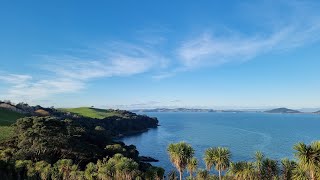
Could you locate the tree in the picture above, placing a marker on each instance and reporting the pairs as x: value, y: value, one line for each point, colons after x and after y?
x: 43, y: 169
x: 287, y: 168
x: 106, y: 170
x: 192, y: 166
x: 180, y: 154
x: 242, y: 170
x: 218, y: 157
x: 202, y: 174
x: 259, y: 156
x: 64, y: 167
x: 154, y: 173
x: 172, y: 175
x: 299, y: 173
x: 90, y: 172
x: 24, y: 169
x: 126, y: 168
x: 270, y: 169
x: 75, y: 174
x: 309, y: 157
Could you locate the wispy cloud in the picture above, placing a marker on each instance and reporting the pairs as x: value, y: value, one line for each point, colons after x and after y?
x: 208, y: 49
x: 24, y: 88
x: 69, y: 73
x: 15, y: 79
x: 298, y: 28
x: 114, y: 59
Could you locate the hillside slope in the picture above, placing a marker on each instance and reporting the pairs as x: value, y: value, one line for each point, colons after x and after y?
x: 117, y: 122
x: 7, y: 118
x: 92, y: 112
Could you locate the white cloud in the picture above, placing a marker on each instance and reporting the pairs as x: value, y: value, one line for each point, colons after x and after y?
x: 297, y: 28
x: 15, y: 78
x: 210, y: 50
x: 24, y: 88
x: 115, y: 59
x: 69, y: 73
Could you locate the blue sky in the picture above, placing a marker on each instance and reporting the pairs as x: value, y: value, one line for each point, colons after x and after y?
x: 145, y: 54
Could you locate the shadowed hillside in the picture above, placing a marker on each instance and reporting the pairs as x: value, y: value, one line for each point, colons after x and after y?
x: 7, y: 118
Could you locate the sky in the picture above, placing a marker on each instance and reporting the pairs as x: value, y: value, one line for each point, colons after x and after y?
x: 148, y: 54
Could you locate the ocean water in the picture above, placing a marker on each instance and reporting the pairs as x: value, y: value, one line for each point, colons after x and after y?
x: 242, y: 133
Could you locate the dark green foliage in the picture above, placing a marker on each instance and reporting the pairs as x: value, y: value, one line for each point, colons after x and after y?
x: 50, y: 148
x: 154, y: 173
x: 55, y: 144
x: 115, y: 122
x: 112, y: 122
x: 202, y: 174
x: 287, y: 167
x: 173, y: 175
x: 7, y: 117
x: 270, y: 169
x: 50, y: 139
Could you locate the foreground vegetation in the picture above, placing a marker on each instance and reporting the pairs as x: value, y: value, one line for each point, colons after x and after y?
x: 46, y: 143
x: 305, y: 167
x: 50, y: 148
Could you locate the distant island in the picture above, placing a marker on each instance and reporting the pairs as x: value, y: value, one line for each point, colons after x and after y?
x: 282, y: 110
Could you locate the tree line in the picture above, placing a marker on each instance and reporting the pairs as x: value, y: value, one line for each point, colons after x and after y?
x: 306, y: 165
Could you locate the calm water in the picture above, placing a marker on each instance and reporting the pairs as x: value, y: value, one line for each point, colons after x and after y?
x: 243, y: 133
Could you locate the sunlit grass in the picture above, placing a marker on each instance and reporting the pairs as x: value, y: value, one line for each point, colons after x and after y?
x: 92, y: 112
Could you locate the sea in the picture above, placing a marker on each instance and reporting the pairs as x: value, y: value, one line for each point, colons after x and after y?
x: 243, y: 133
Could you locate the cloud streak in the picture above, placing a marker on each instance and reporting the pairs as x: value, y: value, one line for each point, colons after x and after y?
x: 115, y: 59
x: 70, y: 73
x: 208, y: 49
x: 299, y: 28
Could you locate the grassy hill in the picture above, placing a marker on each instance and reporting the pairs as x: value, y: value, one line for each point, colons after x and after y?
x: 7, y: 118
x: 92, y: 112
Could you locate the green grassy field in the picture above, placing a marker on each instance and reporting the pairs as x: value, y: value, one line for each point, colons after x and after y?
x: 91, y: 112
x: 6, y: 119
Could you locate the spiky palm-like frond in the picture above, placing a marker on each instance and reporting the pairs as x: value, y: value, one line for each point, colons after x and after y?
x: 180, y: 154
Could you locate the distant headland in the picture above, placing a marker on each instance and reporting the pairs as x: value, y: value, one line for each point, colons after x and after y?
x: 282, y: 110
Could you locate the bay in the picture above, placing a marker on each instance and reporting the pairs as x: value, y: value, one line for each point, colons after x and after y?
x: 243, y: 133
